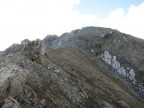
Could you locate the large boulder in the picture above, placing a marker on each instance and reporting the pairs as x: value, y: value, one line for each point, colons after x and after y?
x: 10, y: 103
x: 12, y: 79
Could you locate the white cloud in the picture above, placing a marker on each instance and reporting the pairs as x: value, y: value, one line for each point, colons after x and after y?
x: 21, y: 19
x: 131, y: 22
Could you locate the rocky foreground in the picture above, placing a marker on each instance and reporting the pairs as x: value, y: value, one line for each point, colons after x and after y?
x: 90, y: 67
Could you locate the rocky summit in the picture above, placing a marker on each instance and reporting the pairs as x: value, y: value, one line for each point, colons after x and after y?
x: 92, y: 67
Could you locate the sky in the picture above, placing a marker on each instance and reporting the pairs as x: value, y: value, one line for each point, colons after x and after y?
x: 32, y: 19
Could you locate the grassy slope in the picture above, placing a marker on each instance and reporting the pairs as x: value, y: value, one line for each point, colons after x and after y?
x: 105, y: 85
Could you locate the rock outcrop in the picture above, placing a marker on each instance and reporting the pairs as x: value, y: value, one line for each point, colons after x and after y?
x: 125, y: 72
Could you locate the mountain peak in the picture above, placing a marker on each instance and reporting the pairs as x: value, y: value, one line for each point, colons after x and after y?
x: 92, y: 67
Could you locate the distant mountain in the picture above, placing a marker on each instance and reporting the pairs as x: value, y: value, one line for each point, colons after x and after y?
x: 92, y: 67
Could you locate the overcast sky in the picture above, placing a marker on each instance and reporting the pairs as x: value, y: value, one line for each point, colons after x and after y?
x: 32, y: 19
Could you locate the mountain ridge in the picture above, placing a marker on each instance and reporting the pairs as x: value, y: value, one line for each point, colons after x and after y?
x: 92, y: 67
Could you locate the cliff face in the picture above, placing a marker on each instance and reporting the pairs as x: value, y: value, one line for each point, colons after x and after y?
x: 87, y: 68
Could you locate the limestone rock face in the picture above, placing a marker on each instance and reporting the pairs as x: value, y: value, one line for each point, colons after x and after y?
x: 108, y: 58
x: 111, y: 60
